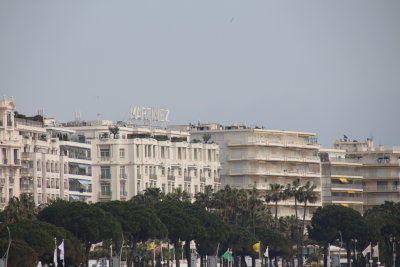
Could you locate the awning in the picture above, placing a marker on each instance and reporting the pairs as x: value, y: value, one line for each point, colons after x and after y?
x: 80, y: 165
x: 78, y: 197
x: 344, y: 204
x: 343, y: 180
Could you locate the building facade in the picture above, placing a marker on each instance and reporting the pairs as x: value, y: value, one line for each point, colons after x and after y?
x: 380, y: 170
x: 341, y: 179
x: 136, y: 158
x: 257, y: 158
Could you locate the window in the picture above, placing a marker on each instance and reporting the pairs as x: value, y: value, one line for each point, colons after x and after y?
x: 104, y: 153
x: 106, y: 189
x: 121, y: 153
x: 105, y: 172
x: 163, y: 188
x: 122, y: 172
x: 137, y: 151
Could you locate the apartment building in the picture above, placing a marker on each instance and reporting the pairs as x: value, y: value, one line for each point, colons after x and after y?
x: 31, y: 162
x: 131, y: 159
x: 380, y: 170
x: 79, y: 165
x: 341, y: 179
x: 256, y: 157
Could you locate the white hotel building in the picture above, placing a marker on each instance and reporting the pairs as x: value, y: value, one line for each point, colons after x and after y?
x: 137, y: 158
x: 255, y: 158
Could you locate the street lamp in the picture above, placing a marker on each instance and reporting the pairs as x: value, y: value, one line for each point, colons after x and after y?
x: 8, y: 248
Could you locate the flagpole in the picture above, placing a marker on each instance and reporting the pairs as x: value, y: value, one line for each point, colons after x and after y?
x: 55, y: 252
x: 154, y: 254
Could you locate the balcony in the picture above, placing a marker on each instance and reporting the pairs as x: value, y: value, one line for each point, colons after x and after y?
x: 139, y: 176
x: 202, y: 179
x: 171, y: 178
x: 153, y: 176
x: 2, y: 200
x: 217, y: 180
x: 105, y: 194
x: 17, y: 161
x: 347, y: 186
x: 382, y: 188
x: 26, y: 171
x: 347, y: 199
x: 187, y: 178
x: 104, y: 177
x: 122, y: 176
x: 104, y: 158
x: 27, y: 188
x: 83, y: 173
x: 123, y: 194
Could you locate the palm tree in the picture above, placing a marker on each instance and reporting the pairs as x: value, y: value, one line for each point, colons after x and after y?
x: 293, y: 190
x: 179, y: 194
x: 307, y: 195
x: 20, y: 209
x: 204, y: 199
x: 275, y: 194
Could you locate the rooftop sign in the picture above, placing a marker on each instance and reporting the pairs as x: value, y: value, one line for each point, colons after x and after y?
x: 149, y: 114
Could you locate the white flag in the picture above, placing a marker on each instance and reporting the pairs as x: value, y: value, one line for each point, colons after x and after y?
x: 375, y: 251
x: 55, y: 257
x: 61, y: 248
x: 266, y: 252
x: 367, y: 250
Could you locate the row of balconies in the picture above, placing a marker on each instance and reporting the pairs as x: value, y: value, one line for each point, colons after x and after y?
x: 293, y: 173
x: 266, y: 157
x: 280, y: 143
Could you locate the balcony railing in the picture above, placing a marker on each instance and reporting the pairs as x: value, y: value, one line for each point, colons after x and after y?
x: 102, y: 176
x: 171, y: 178
x: 123, y: 194
x: 347, y: 199
x: 202, y: 179
x: 384, y: 188
x: 27, y: 171
x: 347, y: 186
x: 104, y: 158
x: 122, y: 175
x: 79, y: 173
x: 105, y: 194
x: 187, y: 178
x: 153, y: 176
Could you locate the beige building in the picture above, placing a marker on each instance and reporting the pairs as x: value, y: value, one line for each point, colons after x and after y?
x: 31, y: 160
x: 341, y: 179
x: 380, y: 170
x: 256, y: 158
x: 137, y: 158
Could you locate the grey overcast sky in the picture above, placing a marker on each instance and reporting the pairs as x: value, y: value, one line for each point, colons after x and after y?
x: 330, y: 67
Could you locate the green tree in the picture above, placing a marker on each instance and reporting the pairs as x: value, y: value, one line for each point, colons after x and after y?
x: 22, y: 208
x: 149, y: 197
x: 338, y: 223
x: 178, y: 195
x: 384, y: 222
x: 180, y: 222
x: 38, y: 236
x: 275, y: 194
x: 139, y: 222
x: 307, y: 195
x: 205, y: 199
x: 90, y: 224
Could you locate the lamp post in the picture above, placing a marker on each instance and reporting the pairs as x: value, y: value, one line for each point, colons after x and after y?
x: 9, y: 244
